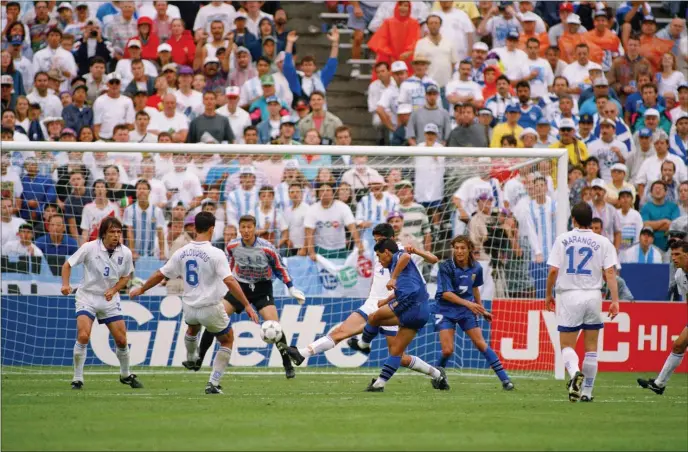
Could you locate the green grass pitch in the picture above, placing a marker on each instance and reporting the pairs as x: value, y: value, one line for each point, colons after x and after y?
x: 327, y: 410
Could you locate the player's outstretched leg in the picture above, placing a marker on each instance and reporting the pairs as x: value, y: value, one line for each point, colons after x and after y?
x: 207, y: 339
x: 352, y: 325
x: 491, y: 357
x: 118, y: 330
x: 191, y: 343
x: 84, y: 323
x: 678, y: 350
x: 222, y: 357
x: 282, y: 346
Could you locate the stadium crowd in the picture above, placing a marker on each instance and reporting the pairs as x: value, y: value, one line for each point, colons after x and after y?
x: 600, y: 79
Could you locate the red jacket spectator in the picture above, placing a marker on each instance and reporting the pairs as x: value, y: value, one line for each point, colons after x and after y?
x: 396, y: 38
x: 182, y: 43
x: 149, y: 40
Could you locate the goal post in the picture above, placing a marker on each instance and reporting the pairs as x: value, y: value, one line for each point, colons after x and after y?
x: 37, y: 323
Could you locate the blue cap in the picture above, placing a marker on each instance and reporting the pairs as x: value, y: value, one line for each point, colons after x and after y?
x: 513, y: 34
x: 645, y: 132
x: 543, y: 121
x: 587, y: 118
x: 513, y: 109
x: 432, y: 88
x: 16, y: 40
x: 504, y: 4
x: 272, y: 99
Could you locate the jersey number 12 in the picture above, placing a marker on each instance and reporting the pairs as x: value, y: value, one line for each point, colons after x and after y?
x: 580, y: 269
x: 192, y: 273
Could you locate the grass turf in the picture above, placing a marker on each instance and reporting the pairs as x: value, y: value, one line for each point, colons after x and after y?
x: 328, y: 410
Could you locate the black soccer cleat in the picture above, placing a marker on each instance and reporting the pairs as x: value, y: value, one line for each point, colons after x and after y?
x: 295, y: 356
x: 441, y: 383
x: 372, y: 388
x: 194, y: 365
x: 587, y: 399
x: 131, y: 381
x: 353, y: 344
x: 576, y: 386
x: 77, y: 385
x: 651, y: 385
x: 508, y: 385
x: 289, y: 372
x: 212, y: 389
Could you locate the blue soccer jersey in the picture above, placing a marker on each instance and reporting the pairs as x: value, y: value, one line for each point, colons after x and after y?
x: 410, y: 283
x: 459, y: 281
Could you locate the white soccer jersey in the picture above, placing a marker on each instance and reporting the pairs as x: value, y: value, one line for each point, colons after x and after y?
x: 581, y: 256
x: 202, y: 268
x: 102, y: 270
x: 145, y: 224
x: 681, y: 283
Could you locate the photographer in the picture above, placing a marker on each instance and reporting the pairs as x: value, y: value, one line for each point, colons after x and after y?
x: 91, y: 45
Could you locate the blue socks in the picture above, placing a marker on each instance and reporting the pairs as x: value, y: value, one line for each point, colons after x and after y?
x: 496, y: 365
x: 388, y: 370
x: 443, y: 360
x: 369, y: 333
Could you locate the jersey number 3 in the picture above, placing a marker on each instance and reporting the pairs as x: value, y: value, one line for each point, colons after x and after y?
x: 192, y: 273
x: 580, y: 269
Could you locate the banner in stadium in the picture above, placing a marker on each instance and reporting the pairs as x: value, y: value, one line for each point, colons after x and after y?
x: 38, y: 330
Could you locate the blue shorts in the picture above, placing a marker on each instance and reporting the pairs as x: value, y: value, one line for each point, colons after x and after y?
x: 448, y: 319
x: 360, y: 23
x: 413, y: 316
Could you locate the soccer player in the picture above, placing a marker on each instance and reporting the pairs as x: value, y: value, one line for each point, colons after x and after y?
x: 459, y: 303
x: 254, y: 261
x: 679, y: 254
x: 201, y: 265
x: 108, y: 265
x: 587, y: 258
x: 355, y: 323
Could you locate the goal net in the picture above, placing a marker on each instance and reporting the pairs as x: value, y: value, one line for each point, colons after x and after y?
x: 511, y: 203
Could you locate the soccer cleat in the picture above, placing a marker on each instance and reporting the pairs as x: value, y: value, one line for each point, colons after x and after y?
x: 508, y: 385
x: 194, y: 365
x: 131, y: 381
x: 441, y: 382
x: 212, y: 389
x: 372, y: 388
x: 294, y: 355
x: 651, y: 385
x: 77, y: 385
x: 290, y: 373
x: 586, y: 398
x: 353, y: 344
x: 576, y: 386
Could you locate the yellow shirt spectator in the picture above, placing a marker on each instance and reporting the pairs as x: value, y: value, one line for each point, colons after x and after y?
x: 502, y: 130
x: 578, y: 152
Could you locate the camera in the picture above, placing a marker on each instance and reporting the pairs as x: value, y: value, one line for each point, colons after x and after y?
x: 94, y: 33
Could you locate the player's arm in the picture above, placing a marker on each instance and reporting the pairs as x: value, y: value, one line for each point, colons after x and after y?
x: 280, y: 270
x: 235, y: 289
x: 120, y: 285
x: 426, y: 255
x: 153, y: 281
x: 613, y: 286
x: 549, y: 288
x: 66, y: 274
x: 403, y: 261
x: 386, y: 300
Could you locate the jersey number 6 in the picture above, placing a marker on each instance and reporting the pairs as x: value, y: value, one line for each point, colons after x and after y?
x: 191, y: 273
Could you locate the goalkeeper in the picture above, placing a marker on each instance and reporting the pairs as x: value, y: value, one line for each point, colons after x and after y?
x: 253, y: 262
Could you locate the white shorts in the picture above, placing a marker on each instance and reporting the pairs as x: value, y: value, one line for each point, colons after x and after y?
x: 213, y: 318
x: 579, y: 310
x: 97, y: 307
x: 368, y: 308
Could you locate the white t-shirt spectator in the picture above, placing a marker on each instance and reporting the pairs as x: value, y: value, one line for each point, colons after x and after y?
x: 191, y: 105
x: 295, y: 219
x: 513, y: 61
x: 499, y: 28
x: 329, y: 224
x: 170, y: 125
x: 109, y: 112
x: 358, y: 180
x: 15, y: 248
x: 651, y: 169
x: 578, y: 76
x: 389, y: 102
x: 13, y: 181
x: 442, y: 58
x: 539, y: 86
x: 123, y: 68
x: 375, y: 90
x: 8, y: 231
x: 607, y: 157
x: 429, y: 177
x: 209, y: 13
x: 455, y: 25
x: 464, y: 88
x: 50, y: 104
x: 186, y: 184
x: 47, y: 59
x: 631, y: 225
x: 92, y: 215
x: 238, y: 121
x: 136, y: 137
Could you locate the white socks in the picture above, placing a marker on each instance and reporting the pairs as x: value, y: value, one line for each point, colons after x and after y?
x: 379, y: 383
x: 570, y: 360
x: 191, y: 343
x: 123, y: 356
x: 421, y: 366
x: 671, y: 363
x: 220, y: 364
x: 590, y: 372
x: 323, y: 344
x: 79, y: 360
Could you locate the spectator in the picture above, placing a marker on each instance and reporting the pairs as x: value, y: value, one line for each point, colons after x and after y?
x: 181, y: 41
x: 396, y: 39
x: 10, y: 223
x: 643, y: 252
x: 49, y: 102
x: 111, y: 109
x: 259, y: 108
x: 56, y: 245
x: 682, y: 108
x: 530, y: 112
x: 183, y: 185
x: 416, y: 222
x: 668, y: 176
x: 266, y: 44
x: 141, y: 133
x: 604, y: 38
x: 625, y: 69
x: 145, y: 223
x: 78, y: 197
x: 361, y: 13
x: 139, y: 81
x: 361, y: 174
x: 244, y: 199
x: 651, y: 168
x: 22, y: 245
x: 121, y: 28
x: 287, y: 131
x: 94, y: 212
x: 499, y: 22
x: 90, y: 46
x: 618, y: 182
x: 659, y: 213
x: 388, y: 105
x: 62, y: 173
x: 542, y: 227
x: 556, y: 64
x: 325, y: 225
x: 464, y: 90
x: 513, y: 59
x: 7, y: 100
x: 373, y: 208
x: 440, y: 49
x: 631, y: 221
x: 502, y: 99
x: 412, y: 90
x: 555, y: 32
x: 269, y: 128
x: 668, y: 79
x: 209, y: 46
x: 281, y: 30
x: 588, y: 99
x: 96, y: 80
x: 510, y: 127
x: 78, y: 114
x: 565, y: 111
x: 683, y: 198
x: 312, y: 81
x: 116, y: 190
x: 577, y: 150
x: 652, y: 47
x: 210, y: 127
x: 171, y: 121
x: 270, y: 223
x: 243, y: 70
x: 294, y: 217
x: 679, y: 139
x: 430, y: 113
x: 383, y: 81
x: 537, y: 70
x: 252, y: 89
x: 38, y: 190
x: 39, y: 25
x: 323, y: 121
x: 239, y: 119
x: 214, y: 11
x: 467, y: 132
x: 607, y: 149
x: 650, y: 107
x: 577, y: 73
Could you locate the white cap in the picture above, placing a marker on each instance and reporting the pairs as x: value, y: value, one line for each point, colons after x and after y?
x: 530, y: 17
x: 592, y: 66
x: 681, y: 115
x: 65, y: 5
x: 609, y: 122
x: 169, y: 67
x: 651, y: 112
x: 247, y: 170
x: 376, y: 179
x: 164, y: 48
x: 232, y: 91
x: 598, y: 183
x: 619, y: 167
x: 481, y: 46
x: 528, y: 131
x: 114, y: 76
x: 6, y: 80
x: 431, y: 128
x: 573, y: 19
x: 136, y: 43
x: 399, y: 66
x: 567, y: 123
x: 211, y: 59
x: 403, y: 109
x: 78, y: 4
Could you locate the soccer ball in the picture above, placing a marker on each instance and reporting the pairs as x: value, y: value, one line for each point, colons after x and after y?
x: 270, y: 331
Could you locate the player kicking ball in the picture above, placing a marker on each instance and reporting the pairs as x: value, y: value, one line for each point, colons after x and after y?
x: 459, y: 303
x: 254, y: 261
x: 201, y: 265
x: 108, y: 266
x: 355, y: 323
x: 679, y: 254
x: 587, y: 258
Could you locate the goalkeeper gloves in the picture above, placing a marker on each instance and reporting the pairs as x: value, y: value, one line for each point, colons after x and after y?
x: 299, y: 295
